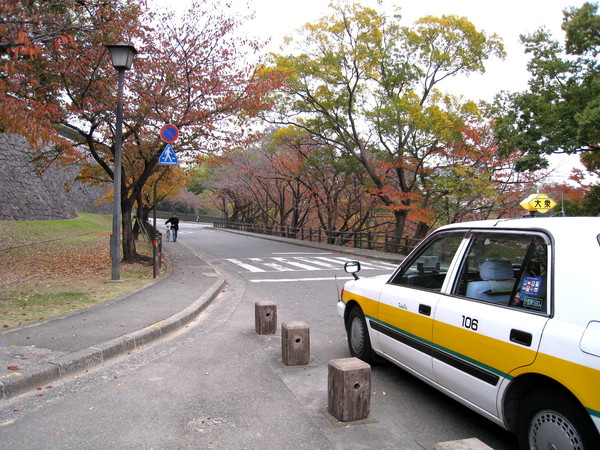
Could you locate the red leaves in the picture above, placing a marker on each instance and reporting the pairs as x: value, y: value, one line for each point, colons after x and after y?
x: 41, y: 394
x: 13, y: 368
x: 52, y: 277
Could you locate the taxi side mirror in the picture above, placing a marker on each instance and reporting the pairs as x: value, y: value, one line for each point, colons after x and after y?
x: 352, y: 267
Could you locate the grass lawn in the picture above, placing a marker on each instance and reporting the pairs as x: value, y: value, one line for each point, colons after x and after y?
x: 53, y: 267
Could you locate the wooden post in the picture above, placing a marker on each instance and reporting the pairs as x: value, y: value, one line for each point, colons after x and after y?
x: 295, y: 343
x: 463, y: 444
x: 265, y: 317
x: 349, y: 389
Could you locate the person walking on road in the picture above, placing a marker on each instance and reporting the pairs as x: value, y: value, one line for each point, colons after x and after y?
x: 174, y: 221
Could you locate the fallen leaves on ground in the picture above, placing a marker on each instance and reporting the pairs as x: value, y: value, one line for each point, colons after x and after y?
x: 52, y: 278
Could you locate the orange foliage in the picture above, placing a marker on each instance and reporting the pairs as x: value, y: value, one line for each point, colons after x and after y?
x: 187, y: 73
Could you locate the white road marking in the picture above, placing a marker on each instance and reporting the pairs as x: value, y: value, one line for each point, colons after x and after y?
x: 296, y: 264
x: 279, y: 267
x: 246, y: 266
x: 300, y: 253
x: 335, y: 260
x: 319, y: 263
x: 303, y: 263
x: 292, y: 280
x: 379, y: 265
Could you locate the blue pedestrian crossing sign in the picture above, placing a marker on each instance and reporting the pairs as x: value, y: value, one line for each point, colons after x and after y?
x: 168, y: 157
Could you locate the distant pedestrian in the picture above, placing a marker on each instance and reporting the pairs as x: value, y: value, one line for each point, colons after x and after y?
x: 174, y: 221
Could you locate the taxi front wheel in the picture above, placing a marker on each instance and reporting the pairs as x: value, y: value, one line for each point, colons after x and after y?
x: 549, y: 419
x: 358, y: 336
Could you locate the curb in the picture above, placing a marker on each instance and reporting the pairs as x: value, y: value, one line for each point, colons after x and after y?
x: 85, y: 359
x: 168, y: 272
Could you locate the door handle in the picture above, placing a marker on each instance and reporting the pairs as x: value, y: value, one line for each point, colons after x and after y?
x: 425, y: 310
x: 521, y: 337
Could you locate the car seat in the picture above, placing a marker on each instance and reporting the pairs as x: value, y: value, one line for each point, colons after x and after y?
x: 497, y: 282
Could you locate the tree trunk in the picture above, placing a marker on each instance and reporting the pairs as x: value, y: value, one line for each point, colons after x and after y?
x: 141, y: 222
x: 130, y: 253
x: 138, y: 217
x: 394, y: 245
x: 136, y: 229
x: 421, y: 231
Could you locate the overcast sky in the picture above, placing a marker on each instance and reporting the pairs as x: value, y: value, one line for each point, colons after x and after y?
x: 275, y: 19
x: 508, y: 18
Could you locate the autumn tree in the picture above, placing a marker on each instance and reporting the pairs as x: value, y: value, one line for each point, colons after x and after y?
x: 587, y: 205
x: 225, y: 182
x: 262, y: 184
x: 268, y: 179
x: 560, y: 112
x: 190, y: 72
x: 290, y: 180
x: 27, y: 26
x: 28, y: 30
x: 473, y: 182
x: 335, y: 182
x: 277, y: 179
x: 369, y: 87
x: 168, y: 185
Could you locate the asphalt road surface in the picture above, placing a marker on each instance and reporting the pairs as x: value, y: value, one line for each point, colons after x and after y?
x: 218, y: 385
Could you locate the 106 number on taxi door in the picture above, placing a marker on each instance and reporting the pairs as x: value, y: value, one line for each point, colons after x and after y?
x: 470, y: 323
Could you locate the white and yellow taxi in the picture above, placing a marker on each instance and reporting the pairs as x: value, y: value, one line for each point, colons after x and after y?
x: 503, y: 316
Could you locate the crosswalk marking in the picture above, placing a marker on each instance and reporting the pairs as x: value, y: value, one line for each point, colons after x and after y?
x: 296, y: 280
x: 278, y: 267
x: 246, y: 266
x: 320, y: 263
x: 303, y: 263
x: 296, y: 264
x: 301, y: 253
x: 364, y: 265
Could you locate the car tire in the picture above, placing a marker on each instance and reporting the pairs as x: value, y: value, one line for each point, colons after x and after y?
x: 550, y: 419
x: 359, y: 342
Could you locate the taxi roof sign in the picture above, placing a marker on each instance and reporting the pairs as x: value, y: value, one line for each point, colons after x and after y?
x: 538, y: 202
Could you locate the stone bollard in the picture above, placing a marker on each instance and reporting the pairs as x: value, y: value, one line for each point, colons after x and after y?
x: 295, y: 343
x: 349, y: 389
x: 265, y: 317
x: 463, y: 444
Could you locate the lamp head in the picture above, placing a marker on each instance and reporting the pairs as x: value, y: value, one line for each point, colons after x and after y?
x: 122, y: 55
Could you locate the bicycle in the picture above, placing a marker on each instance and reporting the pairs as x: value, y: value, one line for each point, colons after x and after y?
x: 168, y: 233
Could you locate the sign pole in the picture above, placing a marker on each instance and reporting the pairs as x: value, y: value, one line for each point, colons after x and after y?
x: 168, y: 133
x: 155, y: 239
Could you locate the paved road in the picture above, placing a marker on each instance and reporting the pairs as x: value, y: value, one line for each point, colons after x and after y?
x: 216, y: 384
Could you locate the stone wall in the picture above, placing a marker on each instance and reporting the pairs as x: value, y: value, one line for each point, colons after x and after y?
x: 24, y: 195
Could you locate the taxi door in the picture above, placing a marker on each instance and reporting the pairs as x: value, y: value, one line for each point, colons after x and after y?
x: 481, y: 341
x: 408, y: 302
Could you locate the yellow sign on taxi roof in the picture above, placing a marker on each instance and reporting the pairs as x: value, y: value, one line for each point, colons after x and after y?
x: 538, y: 202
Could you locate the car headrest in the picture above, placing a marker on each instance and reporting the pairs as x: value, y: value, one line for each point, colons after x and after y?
x: 496, y: 270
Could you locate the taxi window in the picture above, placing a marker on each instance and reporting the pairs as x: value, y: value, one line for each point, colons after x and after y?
x: 428, y: 269
x: 505, y: 269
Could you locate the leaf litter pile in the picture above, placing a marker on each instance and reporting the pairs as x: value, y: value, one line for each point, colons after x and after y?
x: 46, y: 273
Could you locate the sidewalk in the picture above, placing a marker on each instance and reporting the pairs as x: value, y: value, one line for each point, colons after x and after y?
x: 40, y: 353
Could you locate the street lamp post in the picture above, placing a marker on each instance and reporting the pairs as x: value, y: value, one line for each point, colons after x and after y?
x: 122, y: 59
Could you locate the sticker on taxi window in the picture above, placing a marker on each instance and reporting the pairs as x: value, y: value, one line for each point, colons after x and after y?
x: 531, y: 286
x: 532, y: 303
